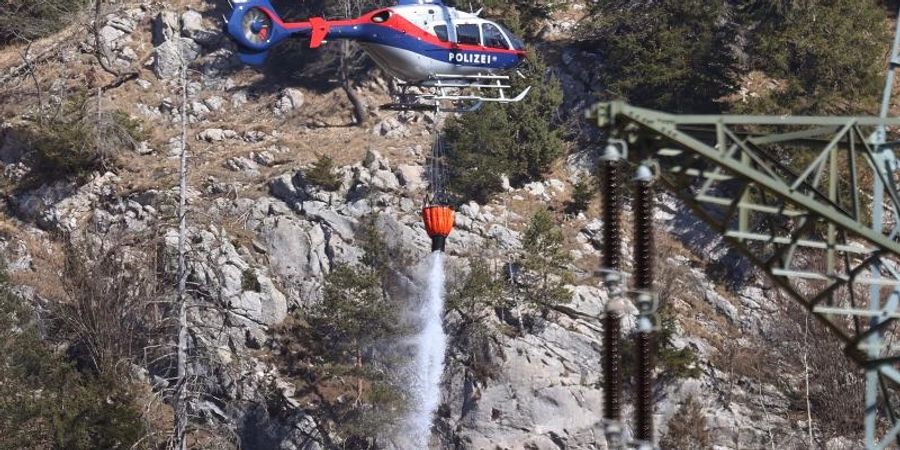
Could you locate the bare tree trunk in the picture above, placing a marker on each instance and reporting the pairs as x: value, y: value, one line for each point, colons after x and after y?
x: 29, y: 64
x: 359, y: 380
x: 359, y: 106
x: 809, y: 422
x: 180, y: 405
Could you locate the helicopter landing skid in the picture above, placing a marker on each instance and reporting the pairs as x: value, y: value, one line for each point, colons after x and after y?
x: 454, y: 93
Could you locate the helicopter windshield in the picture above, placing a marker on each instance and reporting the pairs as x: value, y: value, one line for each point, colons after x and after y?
x: 517, y: 43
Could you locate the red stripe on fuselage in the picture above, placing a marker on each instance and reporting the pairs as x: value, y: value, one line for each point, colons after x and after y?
x: 397, y: 23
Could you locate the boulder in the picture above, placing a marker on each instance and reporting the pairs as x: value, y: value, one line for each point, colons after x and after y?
x: 385, y: 180
x: 469, y: 210
x: 506, y: 239
x: 253, y: 136
x: 241, y: 164
x: 264, y: 158
x: 192, y: 28
x: 169, y: 55
x: 391, y: 128
x: 216, y: 135
x: 344, y: 226
x: 374, y: 161
x: 536, y: 189
x: 284, y: 189
x: 126, y: 25
x: 410, y: 176
x: 165, y: 27
x: 214, y: 103
x: 109, y: 37
x: 556, y: 186
x: 288, y: 101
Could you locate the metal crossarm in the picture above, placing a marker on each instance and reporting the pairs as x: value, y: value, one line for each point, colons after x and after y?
x: 788, y: 193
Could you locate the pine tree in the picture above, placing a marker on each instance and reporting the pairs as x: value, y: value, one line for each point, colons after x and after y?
x: 582, y: 194
x: 831, y: 54
x: 543, y: 263
x: 474, y: 299
x: 664, y: 54
x: 520, y: 140
x: 687, y: 428
x: 45, y: 402
x: 322, y: 174
x: 477, y: 144
x: 337, y: 339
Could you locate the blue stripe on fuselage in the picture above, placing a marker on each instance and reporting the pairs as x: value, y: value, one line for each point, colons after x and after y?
x: 384, y: 35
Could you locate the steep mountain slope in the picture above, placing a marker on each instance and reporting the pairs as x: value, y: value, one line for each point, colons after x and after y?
x: 262, y: 239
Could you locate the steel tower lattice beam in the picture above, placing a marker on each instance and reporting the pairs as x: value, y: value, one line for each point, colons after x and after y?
x: 884, y: 159
x: 787, y: 192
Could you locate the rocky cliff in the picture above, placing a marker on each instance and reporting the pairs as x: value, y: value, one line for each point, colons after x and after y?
x: 261, y: 237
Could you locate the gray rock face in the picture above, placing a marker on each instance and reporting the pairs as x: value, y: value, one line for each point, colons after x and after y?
x: 216, y: 135
x: 298, y: 253
x: 169, y: 55
x: 288, y: 101
x: 241, y: 164
x: 109, y: 36
x: 192, y: 27
x: 390, y: 127
x: 165, y: 27
x: 546, y: 392
x: 385, y: 180
x: 60, y: 205
x: 410, y: 176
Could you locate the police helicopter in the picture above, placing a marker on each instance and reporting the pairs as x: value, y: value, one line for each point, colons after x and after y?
x: 439, y: 54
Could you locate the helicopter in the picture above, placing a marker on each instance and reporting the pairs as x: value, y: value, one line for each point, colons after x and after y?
x: 439, y: 54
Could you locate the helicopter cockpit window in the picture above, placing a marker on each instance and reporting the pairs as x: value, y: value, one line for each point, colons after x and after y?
x: 467, y: 33
x: 441, y: 32
x: 381, y: 17
x: 517, y: 43
x: 493, y: 38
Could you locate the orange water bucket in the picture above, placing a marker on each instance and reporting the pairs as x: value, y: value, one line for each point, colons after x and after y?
x: 438, y: 224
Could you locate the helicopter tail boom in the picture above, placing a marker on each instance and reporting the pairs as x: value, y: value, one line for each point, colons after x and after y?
x: 255, y: 26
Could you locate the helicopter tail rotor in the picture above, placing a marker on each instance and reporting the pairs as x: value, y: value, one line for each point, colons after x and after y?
x: 255, y: 26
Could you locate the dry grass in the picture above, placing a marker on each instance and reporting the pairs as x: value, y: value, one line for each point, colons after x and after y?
x: 46, y: 268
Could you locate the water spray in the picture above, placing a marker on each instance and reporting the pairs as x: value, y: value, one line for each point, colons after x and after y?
x: 431, y: 345
x: 431, y: 342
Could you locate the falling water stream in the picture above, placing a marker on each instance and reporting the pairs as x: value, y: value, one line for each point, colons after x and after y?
x: 430, y: 343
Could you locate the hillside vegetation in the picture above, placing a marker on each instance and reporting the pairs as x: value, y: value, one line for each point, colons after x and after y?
x: 303, y: 242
